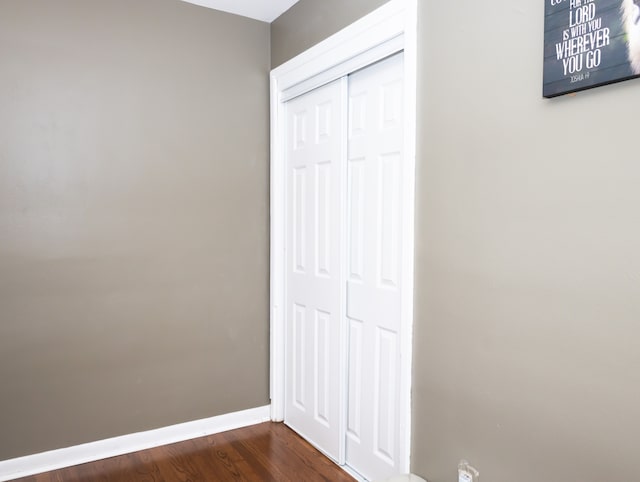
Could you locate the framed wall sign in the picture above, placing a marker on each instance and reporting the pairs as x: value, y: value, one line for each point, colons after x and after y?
x: 588, y: 43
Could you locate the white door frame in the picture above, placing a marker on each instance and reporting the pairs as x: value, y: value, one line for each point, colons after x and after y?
x: 387, y: 30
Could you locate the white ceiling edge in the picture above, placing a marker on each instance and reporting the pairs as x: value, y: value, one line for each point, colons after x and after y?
x: 264, y: 10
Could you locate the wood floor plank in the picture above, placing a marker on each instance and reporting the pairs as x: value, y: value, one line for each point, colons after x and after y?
x: 263, y: 465
x: 269, y: 450
x: 145, y: 467
x: 218, y: 460
x: 264, y: 452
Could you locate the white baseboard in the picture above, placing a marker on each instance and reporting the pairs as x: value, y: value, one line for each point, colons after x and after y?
x: 90, y: 452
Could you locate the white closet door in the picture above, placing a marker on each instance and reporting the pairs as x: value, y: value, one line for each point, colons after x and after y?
x: 375, y: 170
x: 314, y: 384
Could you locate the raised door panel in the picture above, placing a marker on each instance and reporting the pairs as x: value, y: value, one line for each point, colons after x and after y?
x: 375, y: 160
x: 313, y: 387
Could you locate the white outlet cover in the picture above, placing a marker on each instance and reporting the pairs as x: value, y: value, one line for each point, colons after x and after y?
x: 464, y: 476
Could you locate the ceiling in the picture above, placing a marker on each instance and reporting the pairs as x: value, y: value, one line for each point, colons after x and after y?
x: 265, y: 10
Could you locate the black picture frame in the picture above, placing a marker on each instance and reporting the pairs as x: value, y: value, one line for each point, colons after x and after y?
x: 589, y: 43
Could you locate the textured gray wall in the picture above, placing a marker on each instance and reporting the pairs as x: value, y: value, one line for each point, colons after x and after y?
x: 528, y: 272
x: 133, y: 218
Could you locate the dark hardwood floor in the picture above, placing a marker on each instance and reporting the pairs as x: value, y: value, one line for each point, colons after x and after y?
x: 264, y: 452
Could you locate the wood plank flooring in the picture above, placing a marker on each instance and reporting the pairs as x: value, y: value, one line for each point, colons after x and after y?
x: 264, y: 452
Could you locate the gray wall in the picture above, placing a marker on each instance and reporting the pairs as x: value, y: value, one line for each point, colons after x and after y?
x: 308, y: 22
x: 528, y: 284
x: 133, y: 218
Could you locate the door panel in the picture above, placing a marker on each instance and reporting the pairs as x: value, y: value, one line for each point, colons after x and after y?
x: 314, y: 387
x: 375, y: 159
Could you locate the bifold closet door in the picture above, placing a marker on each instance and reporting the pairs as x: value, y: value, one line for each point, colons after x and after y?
x: 314, y: 394
x: 374, y: 274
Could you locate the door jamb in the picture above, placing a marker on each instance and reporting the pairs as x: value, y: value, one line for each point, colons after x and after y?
x: 390, y: 28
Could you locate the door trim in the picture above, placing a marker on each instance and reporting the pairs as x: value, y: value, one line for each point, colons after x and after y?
x: 387, y: 30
